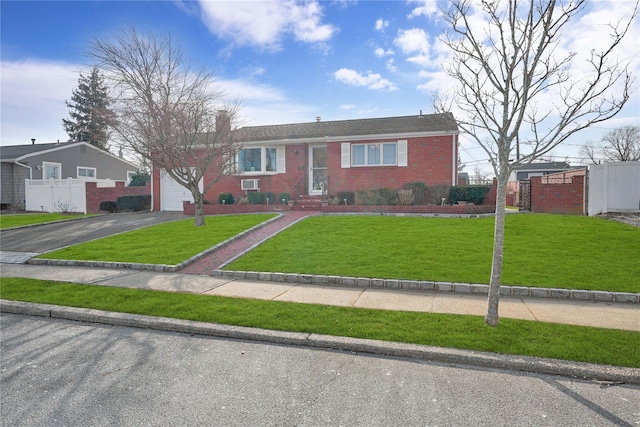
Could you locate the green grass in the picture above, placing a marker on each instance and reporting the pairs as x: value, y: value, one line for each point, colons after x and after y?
x: 19, y: 220
x: 520, y: 337
x: 557, y: 251
x: 168, y: 243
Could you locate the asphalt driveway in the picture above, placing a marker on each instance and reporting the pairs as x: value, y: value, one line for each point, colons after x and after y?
x: 47, y: 237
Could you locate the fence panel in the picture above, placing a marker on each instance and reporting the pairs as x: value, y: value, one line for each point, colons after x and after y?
x: 614, y: 187
x: 55, y: 195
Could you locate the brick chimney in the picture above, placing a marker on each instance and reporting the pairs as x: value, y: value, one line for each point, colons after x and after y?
x: 223, y: 122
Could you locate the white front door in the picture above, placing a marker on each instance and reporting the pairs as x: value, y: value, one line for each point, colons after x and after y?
x: 318, y: 170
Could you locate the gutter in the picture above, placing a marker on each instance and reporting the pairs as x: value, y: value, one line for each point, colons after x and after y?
x: 25, y: 166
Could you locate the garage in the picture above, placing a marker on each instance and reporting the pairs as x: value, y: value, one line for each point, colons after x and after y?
x: 173, y: 194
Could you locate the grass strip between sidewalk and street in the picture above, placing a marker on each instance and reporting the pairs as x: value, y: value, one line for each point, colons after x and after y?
x: 169, y: 243
x: 517, y: 337
x: 21, y: 220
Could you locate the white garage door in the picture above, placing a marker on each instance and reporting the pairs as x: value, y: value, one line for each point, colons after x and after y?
x: 173, y: 194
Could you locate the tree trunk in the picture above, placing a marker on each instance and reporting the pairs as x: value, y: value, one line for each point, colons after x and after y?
x: 498, y: 250
x: 199, y: 214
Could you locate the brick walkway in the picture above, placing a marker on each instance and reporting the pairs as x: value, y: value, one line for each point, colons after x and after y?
x: 225, y: 254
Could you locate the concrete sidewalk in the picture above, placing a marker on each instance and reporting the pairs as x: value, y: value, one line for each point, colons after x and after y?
x: 586, y: 313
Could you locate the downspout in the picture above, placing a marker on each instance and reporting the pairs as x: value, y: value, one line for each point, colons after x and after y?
x: 152, y: 195
x: 454, y: 148
x: 25, y: 166
x: 25, y: 184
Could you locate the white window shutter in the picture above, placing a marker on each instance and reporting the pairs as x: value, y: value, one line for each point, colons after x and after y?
x: 402, y: 153
x: 345, y: 151
x: 281, y: 164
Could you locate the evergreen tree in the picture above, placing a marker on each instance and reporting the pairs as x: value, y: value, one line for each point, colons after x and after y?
x: 90, y: 117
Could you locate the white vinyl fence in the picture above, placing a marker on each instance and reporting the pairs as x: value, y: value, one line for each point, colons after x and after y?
x: 59, y: 195
x: 614, y: 187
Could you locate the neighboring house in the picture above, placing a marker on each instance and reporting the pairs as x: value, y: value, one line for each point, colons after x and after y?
x: 523, y: 172
x: 57, y: 161
x: 324, y: 158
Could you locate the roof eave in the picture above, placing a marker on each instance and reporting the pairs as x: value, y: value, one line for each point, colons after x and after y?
x: 364, y: 137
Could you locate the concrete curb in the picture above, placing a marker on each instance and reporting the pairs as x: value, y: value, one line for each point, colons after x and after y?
x: 580, y: 370
x: 464, y: 288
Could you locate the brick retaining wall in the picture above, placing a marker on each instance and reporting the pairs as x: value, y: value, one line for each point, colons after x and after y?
x: 96, y: 194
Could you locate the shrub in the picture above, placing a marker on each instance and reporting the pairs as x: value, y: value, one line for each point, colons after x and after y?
x: 243, y: 200
x: 225, y: 199
x: 255, y: 198
x: 380, y: 196
x: 139, y: 179
x: 349, y: 196
x: 284, y: 198
x: 405, y: 197
x: 110, y: 207
x: 271, y: 196
x: 418, y: 189
x: 134, y: 203
x: 470, y: 193
x: 435, y: 193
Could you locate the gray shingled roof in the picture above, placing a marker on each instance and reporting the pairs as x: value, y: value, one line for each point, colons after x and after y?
x: 543, y: 166
x: 12, y: 152
x: 376, y: 126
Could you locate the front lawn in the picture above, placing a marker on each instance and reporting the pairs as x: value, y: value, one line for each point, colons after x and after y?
x: 520, y: 337
x: 19, y: 220
x: 557, y: 251
x: 168, y: 243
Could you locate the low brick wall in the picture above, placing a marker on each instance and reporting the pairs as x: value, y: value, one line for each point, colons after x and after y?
x: 561, y: 198
x: 211, y: 209
x: 189, y: 209
x: 96, y: 194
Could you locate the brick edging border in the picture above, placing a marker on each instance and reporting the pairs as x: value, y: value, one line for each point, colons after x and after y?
x: 464, y: 288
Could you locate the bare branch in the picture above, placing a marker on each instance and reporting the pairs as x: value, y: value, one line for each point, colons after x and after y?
x: 169, y: 112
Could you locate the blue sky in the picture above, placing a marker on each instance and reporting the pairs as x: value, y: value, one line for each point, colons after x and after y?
x: 288, y: 61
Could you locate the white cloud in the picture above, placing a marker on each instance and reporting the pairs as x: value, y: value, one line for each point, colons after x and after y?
x: 391, y: 66
x: 412, y: 41
x: 381, y: 53
x: 427, y: 8
x: 347, y: 106
x: 381, y: 24
x: 264, y: 24
x: 33, y: 100
x: 415, y: 42
x: 34, y: 93
x: 370, y: 80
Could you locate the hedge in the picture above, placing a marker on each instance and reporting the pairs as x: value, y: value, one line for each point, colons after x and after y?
x: 134, y: 203
x: 470, y: 193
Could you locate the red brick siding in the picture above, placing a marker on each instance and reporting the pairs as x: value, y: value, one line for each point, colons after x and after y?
x: 429, y: 160
x: 96, y: 195
x: 294, y: 181
x: 567, y: 198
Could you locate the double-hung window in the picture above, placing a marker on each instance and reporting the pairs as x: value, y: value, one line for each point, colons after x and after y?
x: 84, y: 173
x: 377, y: 154
x: 392, y: 153
x: 260, y: 159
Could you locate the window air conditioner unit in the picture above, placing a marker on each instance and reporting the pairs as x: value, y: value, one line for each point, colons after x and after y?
x: 250, y: 184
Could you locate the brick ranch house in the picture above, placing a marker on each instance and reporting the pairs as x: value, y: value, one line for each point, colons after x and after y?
x: 323, y: 158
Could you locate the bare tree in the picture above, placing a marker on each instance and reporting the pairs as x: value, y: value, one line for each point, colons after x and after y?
x: 168, y: 112
x: 619, y: 145
x: 519, y: 94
